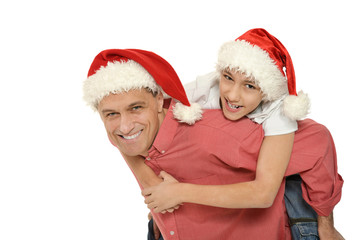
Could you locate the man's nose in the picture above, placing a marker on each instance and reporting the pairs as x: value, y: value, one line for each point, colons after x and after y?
x: 126, y: 124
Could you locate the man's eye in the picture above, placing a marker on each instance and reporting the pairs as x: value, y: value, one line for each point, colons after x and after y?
x: 111, y: 114
x: 136, y: 108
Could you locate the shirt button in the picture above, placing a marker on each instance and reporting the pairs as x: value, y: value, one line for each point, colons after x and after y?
x: 162, y: 151
x: 148, y: 158
x: 171, y: 233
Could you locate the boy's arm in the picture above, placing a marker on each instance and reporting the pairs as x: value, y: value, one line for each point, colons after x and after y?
x: 271, y: 166
x: 326, y: 228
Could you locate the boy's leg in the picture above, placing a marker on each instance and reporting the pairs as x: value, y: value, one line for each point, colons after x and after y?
x: 303, y: 219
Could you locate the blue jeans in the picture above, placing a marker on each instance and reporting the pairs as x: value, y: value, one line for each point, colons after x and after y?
x: 303, y: 219
x: 151, y: 231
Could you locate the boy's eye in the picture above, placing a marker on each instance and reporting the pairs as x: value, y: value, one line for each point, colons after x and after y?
x: 227, y: 77
x: 250, y: 86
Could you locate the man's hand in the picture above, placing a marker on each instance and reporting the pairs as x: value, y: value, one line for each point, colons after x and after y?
x: 327, y: 230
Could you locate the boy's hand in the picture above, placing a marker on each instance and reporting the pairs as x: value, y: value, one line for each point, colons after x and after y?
x: 163, y: 197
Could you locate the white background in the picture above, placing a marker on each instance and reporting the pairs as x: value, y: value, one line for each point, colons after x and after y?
x: 59, y: 176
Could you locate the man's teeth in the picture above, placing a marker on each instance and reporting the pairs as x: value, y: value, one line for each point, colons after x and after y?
x: 132, y: 136
x: 233, y: 106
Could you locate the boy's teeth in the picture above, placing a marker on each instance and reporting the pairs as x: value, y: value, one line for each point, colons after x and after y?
x: 232, y: 106
x: 132, y: 136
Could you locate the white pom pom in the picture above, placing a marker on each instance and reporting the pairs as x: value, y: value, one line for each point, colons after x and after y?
x: 296, y: 107
x: 187, y: 114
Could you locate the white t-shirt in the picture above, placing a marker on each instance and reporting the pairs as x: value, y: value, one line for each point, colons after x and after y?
x: 205, y: 91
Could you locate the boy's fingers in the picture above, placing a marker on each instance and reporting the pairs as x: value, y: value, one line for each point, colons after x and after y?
x: 164, y: 175
x: 146, y: 192
x: 161, y: 174
x: 147, y: 201
x: 152, y: 206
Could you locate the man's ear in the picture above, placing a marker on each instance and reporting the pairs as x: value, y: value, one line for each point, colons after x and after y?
x: 160, y: 101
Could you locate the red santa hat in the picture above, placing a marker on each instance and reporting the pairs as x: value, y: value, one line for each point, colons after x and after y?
x: 121, y: 70
x: 259, y: 54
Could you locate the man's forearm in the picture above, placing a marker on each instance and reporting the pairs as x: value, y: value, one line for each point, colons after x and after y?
x: 145, y: 175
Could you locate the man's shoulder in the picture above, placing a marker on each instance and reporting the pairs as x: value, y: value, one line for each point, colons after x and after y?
x: 213, y: 124
x: 214, y: 119
x: 309, y: 126
x: 215, y: 116
x: 312, y: 134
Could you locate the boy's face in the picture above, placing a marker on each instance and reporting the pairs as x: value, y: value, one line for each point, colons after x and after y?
x: 132, y: 120
x: 239, y: 94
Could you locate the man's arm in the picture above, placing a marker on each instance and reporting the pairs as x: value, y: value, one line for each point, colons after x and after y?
x: 144, y: 174
x: 326, y: 228
x: 146, y: 178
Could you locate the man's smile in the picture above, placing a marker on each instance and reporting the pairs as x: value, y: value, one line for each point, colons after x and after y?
x: 130, y: 137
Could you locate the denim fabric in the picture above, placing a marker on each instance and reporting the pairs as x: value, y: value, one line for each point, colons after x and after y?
x: 151, y: 232
x: 303, y: 219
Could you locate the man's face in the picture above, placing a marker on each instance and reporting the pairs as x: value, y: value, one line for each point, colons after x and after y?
x: 132, y: 120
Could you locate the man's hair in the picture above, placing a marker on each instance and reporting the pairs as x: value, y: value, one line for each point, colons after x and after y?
x: 153, y: 92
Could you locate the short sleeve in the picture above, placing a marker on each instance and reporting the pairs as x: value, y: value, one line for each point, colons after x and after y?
x: 204, y: 91
x: 277, y: 123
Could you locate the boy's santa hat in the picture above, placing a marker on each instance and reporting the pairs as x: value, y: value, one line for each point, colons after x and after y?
x: 120, y: 70
x: 259, y: 54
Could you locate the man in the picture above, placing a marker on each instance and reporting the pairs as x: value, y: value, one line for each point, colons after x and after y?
x: 125, y: 87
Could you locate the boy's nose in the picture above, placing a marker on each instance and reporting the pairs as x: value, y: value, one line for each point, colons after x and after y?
x: 234, y: 94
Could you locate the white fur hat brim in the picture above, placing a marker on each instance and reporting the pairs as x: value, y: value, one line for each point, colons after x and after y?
x: 123, y: 76
x: 116, y: 77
